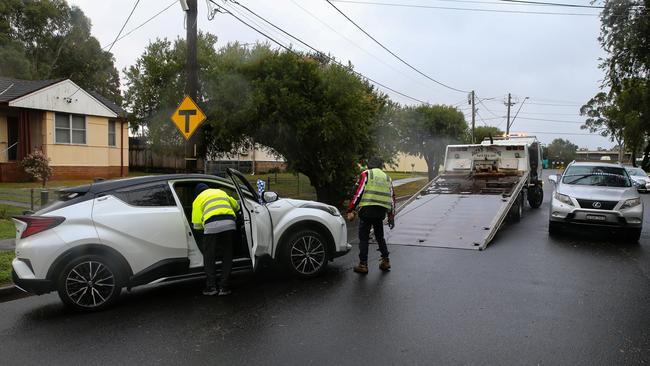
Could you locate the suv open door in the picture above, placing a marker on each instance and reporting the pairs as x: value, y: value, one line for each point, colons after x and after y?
x: 257, y: 219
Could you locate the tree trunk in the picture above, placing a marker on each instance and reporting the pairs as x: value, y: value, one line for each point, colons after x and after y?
x: 645, y: 164
x: 330, y: 194
x: 432, y: 168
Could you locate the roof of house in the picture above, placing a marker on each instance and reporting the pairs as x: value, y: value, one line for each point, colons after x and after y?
x: 11, y: 89
x: 110, y: 104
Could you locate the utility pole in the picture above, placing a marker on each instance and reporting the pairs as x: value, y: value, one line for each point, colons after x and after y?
x: 508, y: 104
x: 472, y: 94
x: 192, y: 82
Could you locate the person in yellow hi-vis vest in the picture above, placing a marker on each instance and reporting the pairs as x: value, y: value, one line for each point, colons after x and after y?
x: 215, y: 212
x: 375, y: 198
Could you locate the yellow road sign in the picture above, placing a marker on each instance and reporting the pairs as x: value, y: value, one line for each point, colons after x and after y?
x: 188, y: 117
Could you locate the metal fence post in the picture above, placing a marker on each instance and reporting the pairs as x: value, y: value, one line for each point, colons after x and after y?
x: 268, y: 183
x: 298, y: 176
x: 44, y: 197
x: 31, y: 199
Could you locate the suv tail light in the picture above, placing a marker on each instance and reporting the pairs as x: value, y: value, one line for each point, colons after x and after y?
x: 36, y: 224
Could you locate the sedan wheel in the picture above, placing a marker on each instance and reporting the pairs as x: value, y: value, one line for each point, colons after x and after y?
x: 89, y: 283
x: 306, y: 253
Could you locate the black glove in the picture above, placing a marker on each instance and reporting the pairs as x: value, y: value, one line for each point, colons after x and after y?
x: 391, y: 222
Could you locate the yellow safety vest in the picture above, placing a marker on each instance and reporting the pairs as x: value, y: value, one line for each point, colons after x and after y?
x: 212, y: 202
x: 377, y: 190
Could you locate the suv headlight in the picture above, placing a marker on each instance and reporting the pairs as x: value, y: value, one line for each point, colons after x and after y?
x: 329, y: 209
x: 631, y: 203
x: 563, y: 198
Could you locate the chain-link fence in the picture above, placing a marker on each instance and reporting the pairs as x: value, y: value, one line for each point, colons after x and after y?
x: 287, y: 185
x: 28, y: 199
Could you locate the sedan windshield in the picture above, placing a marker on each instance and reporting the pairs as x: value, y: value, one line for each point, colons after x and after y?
x: 636, y: 172
x: 596, y: 176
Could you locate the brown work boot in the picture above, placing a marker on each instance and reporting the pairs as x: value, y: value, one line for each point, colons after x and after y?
x: 362, y: 268
x: 385, y: 264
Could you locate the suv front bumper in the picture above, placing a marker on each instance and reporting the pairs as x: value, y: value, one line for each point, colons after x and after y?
x: 628, y: 218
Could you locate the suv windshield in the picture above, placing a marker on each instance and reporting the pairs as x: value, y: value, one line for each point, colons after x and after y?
x: 637, y: 172
x: 607, y: 176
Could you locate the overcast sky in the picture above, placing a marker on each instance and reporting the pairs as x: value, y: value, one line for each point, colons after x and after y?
x: 553, y: 59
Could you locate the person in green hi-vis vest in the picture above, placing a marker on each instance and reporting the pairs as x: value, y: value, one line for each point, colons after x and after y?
x: 375, y: 198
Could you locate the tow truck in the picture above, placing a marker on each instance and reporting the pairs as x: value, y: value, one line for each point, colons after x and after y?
x: 480, y: 187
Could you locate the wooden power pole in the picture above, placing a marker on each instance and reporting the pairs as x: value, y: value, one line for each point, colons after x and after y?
x: 192, y: 82
x: 508, y: 104
x: 473, y: 115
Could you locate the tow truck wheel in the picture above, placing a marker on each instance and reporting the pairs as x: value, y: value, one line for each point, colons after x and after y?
x: 535, y: 196
x: 517, y: 209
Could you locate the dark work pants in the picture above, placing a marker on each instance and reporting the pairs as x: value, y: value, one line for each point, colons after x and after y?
x: 365, y: 224
x: 223, y: 241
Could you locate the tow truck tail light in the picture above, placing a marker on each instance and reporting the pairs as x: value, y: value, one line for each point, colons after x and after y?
x: 36, y: 224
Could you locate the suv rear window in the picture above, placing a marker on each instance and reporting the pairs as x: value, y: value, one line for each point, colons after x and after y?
x: 148, y: 195
x: 607, y: 176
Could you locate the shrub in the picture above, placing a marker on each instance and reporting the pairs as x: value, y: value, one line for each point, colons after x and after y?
x: 37, y: 165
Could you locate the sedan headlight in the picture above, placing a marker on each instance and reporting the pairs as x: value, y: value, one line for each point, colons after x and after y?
x: 329, y: 209
x: 631, y: 203
x: 563, y: 198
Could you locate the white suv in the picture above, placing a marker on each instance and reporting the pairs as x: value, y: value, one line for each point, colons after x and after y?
x: 597, y: 194
x: 107, y: 235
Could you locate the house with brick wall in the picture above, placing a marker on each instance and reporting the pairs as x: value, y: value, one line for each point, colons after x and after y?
x: 84, y: 134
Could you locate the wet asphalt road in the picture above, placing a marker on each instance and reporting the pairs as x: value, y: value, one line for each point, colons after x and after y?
x: 527, y: 299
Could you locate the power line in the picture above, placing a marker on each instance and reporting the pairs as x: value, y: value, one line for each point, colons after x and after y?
x: 563, y: 133
x: 310, y: 47
x: 550, y: 120
x: 124, y: 25
x: 116, y: 37
x: 463, y: 9
x: 143, y: 24
x: 553, y: 4
x: 392, y: 53
x: 355, y: 44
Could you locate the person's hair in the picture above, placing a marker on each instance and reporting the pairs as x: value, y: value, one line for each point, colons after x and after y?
x: 375, y: 162
x: 200, y: 188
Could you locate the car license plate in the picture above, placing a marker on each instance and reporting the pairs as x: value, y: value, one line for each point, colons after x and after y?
x: 596, y: 217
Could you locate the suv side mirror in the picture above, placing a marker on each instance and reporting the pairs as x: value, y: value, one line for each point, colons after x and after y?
x: 270, y: 197
x: 552, y: 178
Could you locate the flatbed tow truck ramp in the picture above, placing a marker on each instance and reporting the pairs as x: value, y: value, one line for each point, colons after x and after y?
x: 481, y: 187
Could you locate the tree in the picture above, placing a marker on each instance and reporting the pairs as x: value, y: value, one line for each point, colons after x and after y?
x: 37, y: 165
x: 49, y: 39
x: 562, y: 150
x: 483, y: 132
x: 318, y: 115
x: 322, y: 118
x: 155, y: 86
x: 426, y: 131
x: 622, y: 110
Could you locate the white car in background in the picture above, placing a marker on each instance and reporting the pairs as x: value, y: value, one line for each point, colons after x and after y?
x: 98, y: 238
x: 640, y: 178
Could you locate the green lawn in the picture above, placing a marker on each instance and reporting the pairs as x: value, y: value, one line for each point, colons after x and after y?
x: 6, y: 256
x: 7, y: 229
x: 402, y: 175
x: 411, y: 188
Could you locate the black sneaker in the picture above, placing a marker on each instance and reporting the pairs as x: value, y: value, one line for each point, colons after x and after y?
x: 210, y: 291
x: 224, y: 292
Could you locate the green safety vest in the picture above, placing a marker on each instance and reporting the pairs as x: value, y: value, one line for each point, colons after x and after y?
x: 377, y: 191
x: 212, y: 202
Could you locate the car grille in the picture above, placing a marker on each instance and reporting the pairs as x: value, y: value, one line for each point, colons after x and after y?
x: 604, y: 205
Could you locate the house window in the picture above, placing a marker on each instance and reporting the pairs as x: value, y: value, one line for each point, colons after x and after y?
x: 111, y: 133
x: 70, y: 129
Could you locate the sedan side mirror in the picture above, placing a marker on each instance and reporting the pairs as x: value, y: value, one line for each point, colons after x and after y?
x: 270, y: 197
x: 552, y: 178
